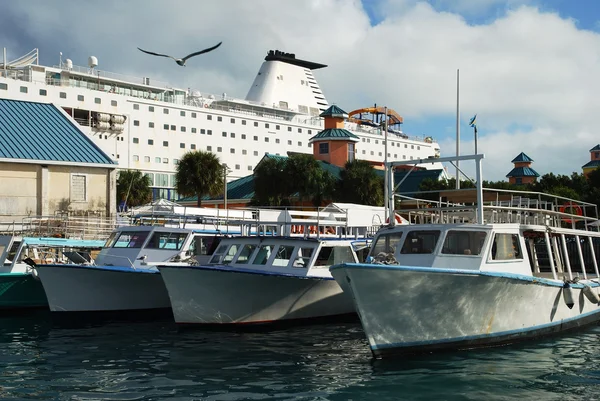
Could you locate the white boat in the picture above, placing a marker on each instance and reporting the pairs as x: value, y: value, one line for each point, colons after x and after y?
x: 121, y: 279
x: 502, y: 267
x: 148, y: 125
x: 272, y: 279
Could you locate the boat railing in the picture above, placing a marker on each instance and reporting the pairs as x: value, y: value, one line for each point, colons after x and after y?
x: 499, y: 206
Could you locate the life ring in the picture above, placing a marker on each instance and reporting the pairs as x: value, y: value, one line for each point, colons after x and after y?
x: 572, y: 208
x: 312, y: 229
x: 397, y: 218
x: 206, y: 105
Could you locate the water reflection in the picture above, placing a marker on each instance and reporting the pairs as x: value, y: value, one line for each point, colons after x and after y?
x: 150, y: 361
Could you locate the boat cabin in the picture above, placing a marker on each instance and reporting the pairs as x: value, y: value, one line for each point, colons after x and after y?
x: 294, y: 256
x: 141, y: 246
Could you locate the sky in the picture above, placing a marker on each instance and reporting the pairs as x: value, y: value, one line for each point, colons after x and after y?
x: 529, y: 69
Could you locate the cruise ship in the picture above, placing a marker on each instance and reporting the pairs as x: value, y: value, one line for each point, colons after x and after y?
x: 148, y: 125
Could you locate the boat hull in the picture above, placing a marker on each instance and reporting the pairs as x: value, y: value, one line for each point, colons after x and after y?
x: 20, y: 291
x: 213, y: 296
x: 407, y: 310
x: 72, y: 288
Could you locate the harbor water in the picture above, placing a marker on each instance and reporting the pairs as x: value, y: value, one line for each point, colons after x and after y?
x: 40, y: 360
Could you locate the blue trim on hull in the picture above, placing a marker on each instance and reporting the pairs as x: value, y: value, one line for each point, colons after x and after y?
x: 103, y: 268
x: 435, y: 270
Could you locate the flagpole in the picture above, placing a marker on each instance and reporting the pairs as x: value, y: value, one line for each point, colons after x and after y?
x: 385, y: 160
x: 458, y: 127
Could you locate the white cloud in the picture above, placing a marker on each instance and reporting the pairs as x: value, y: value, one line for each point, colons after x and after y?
x: 526, y: 68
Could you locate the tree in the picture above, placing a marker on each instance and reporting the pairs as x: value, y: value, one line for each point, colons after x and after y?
x: 199, y: 173
x: 270, y: 183
x: 359, y: 183
x: 306, y: 177
x: 133, y: 187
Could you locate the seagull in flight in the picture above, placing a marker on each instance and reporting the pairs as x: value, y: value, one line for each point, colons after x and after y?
x: 181, y: 61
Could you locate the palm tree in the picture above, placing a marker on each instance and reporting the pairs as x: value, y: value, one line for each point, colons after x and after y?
x: 359, y: 183
x: 306, y: 177
x: 270, y: 183
x: 133, y: 187
x: 199, y: 173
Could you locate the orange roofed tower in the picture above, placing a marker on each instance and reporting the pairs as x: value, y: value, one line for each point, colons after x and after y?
x: 334, y: 144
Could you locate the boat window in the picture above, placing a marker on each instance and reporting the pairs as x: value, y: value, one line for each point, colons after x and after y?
x: 203, y: 245
x: 386, y: 243
x: 245, y: 254
x: 216, y: 258
x: 131, y: 239
x: 283, y: 256
x: 463, y: 242
x: 111, y: 239
x: 230, y: 253
x: 263, y: 255
x: 167, y: 240
x: 303, y: 257
x: 506, y: 247
x: 419, y: 242
x: 333, y: 255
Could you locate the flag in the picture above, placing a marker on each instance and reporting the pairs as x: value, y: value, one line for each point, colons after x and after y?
x: 473, y: 123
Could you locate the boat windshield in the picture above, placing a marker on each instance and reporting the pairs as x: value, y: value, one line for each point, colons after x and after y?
x: 421, y: 241
x: 131, y: 239
x: 333, y: 255
x: 167, y: 240
x: 459, y: 242
x: 386, y: 243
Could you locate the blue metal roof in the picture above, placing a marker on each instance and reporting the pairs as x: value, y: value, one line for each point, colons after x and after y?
x: 522, y: 157
x: 522, y: 172
x: 40, y: 131
x: 595, y: 148
x: 335, y: 134
x: 592, y: 164
x: 334, y: 111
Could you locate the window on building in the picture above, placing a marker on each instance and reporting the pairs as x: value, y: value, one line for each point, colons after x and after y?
x: 249, y: 168
x: 157, y: 160
x: 209, y: 117
x: 299, y: 143
x: 150, y: 141
x: 256, y: 153
x: 193, y: 115
x: 43, y: 92
x: 351, y: 152
x: 78, y: 188
x: 97, y: 100
x: 23, y: 89
x: 219, y: 118
x: 324, y: 148
x: 150, y: 124
x: 182, y: 129
x: 289, y: 129
x: 209, y: 148
x: 266, y: 125
x: 237, y: 166
x: 113, y: 102
x: 193, y: 146
x: 224, y: 134
x: 309, y: 132
x: 276, y: 140
x: 165, y: 160
x: 266, y: 139
x: 173, y: 128
x: 147, y: 159
x: 299, y: 130
x: 244, y: 151
x: 151, y: 109
x: 136, y: 106
x: 4, y: 87
x: 519, y: 180
x: 255, y: 138
x: 136, y: 123
x: 136, y: 140
x: 219, y: 149
x: 243, y: 122
x: 176, y: 161
x: 256, y: 123
x: 243, y: 136
x: 233, y: 120
x: 182, y: 145
x: 209, y: 132
x: 62, y: 95
x: 166, y: 111
x: 202, y: 131
x: 165, y: 143
x: 232, y: 135
x: 194, y: 130
x: 289, y: 142
x: 136, y: 158
x: 166, y: 126
x: 232, y: 150
x: 182, y: 113
x: 277, y: 127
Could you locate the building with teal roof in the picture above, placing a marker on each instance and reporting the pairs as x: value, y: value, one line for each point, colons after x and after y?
x: 48, y: 165
x: 594, y: 162
x: 522, y: 173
